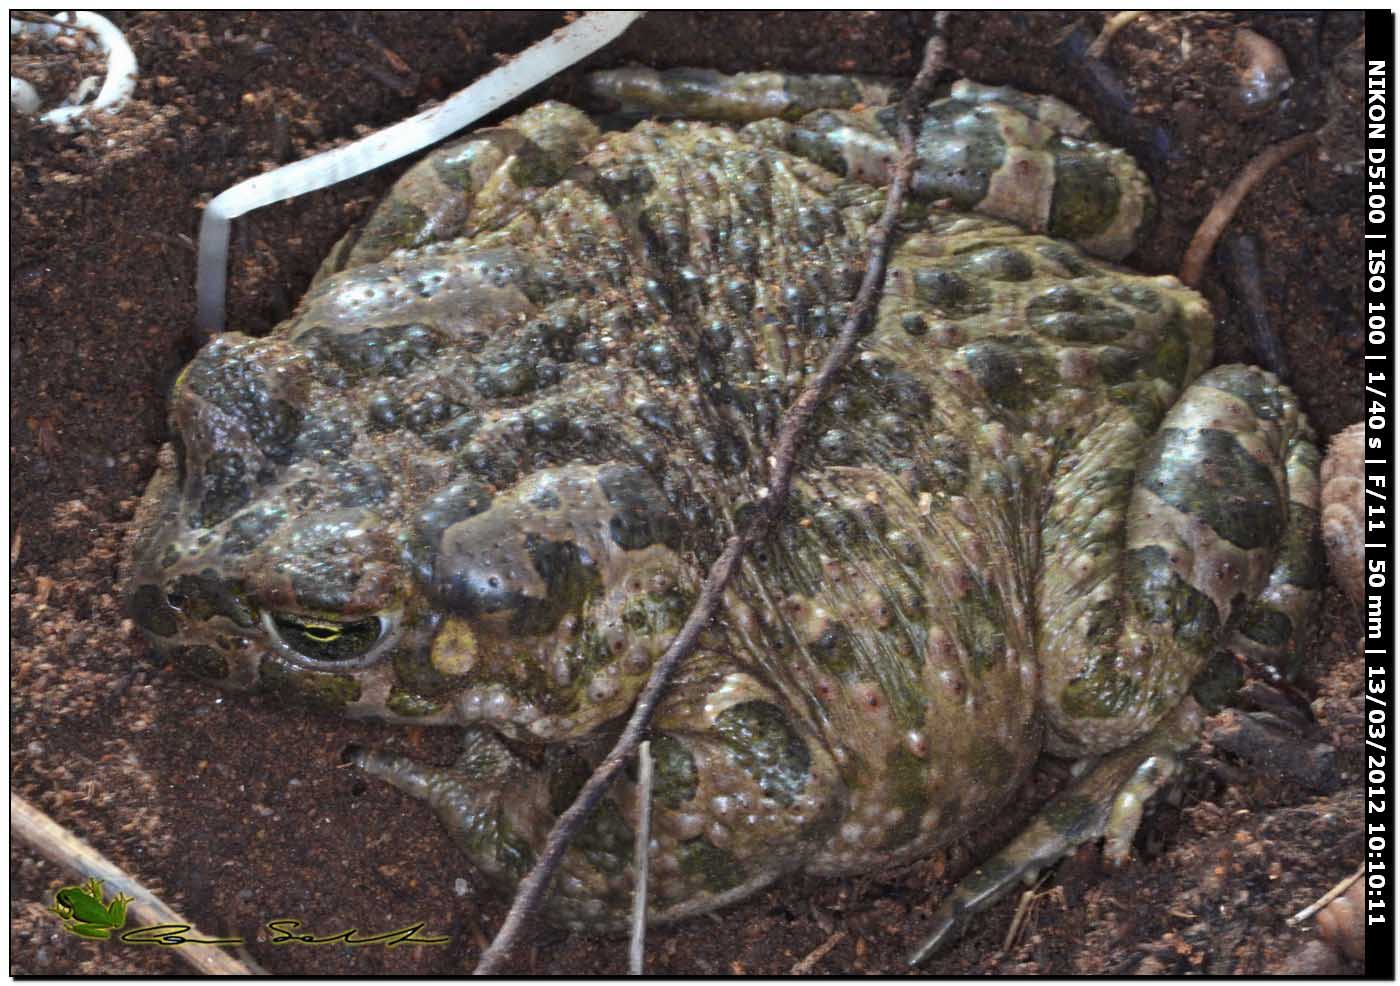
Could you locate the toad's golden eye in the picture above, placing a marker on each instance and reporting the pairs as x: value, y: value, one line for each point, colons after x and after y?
x: 327, y: 640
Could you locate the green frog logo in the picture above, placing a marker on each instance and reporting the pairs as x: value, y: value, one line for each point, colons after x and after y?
x: 85, y: 914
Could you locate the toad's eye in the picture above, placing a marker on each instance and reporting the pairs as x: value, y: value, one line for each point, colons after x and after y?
x: 327, y: 640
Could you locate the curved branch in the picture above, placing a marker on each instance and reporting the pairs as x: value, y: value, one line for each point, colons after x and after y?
x: 772, y: 499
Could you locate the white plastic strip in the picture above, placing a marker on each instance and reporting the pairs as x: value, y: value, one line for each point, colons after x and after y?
x: 121, y: 62
x: 528, y: 69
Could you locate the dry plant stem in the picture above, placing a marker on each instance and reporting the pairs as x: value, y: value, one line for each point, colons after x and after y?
x: 1023, y: 909
x: 772, y: 500
x: 1112, y: 26
x: 639, y: 860
x: 809, y: 962
x: 1194, y: 262
x: 1017, y: 920
x: 1326, y: 898
x: 36, y: 829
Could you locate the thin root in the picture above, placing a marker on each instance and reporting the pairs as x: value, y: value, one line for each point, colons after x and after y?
x: 1099, y: 47
x: 1194, y: 262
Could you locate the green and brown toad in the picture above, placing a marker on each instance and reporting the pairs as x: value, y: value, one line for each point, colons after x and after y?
x: 477, y: 478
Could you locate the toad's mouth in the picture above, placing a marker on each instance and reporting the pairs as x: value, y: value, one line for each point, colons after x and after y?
x: 324, y: 643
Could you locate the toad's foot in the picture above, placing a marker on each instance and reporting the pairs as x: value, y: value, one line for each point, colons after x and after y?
x: 467, y: 798
x: 1106, y: 802
x: 740, y: 799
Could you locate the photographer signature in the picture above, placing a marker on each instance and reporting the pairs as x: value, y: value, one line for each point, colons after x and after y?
x: 285, y: 932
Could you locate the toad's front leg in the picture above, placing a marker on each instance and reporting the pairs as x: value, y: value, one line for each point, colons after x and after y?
x: 739, y: 797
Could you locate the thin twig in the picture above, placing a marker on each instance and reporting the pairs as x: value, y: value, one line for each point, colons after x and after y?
x: 1194, y: 262
x: 1326, y: 898
x: 1099, y: 46
x: 639, y: 859
x: 36, y: 829
x: 34, y: 17
x: 810, y: 960
x: 772, y: 500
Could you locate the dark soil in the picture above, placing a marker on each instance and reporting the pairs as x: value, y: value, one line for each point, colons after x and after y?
x: 234, y: 809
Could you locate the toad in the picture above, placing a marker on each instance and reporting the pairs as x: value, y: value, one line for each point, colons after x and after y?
x: 476, y: 480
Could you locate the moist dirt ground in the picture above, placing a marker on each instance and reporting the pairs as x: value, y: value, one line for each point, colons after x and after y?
x: 233, y: 808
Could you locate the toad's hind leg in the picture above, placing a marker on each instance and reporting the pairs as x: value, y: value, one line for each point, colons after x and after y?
x: 1268, y: 633
x: 705, y: 94
x: 469, y: 186
x: 1107, y: 801
x: 1032, y: 160
x: 1215, y: 547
